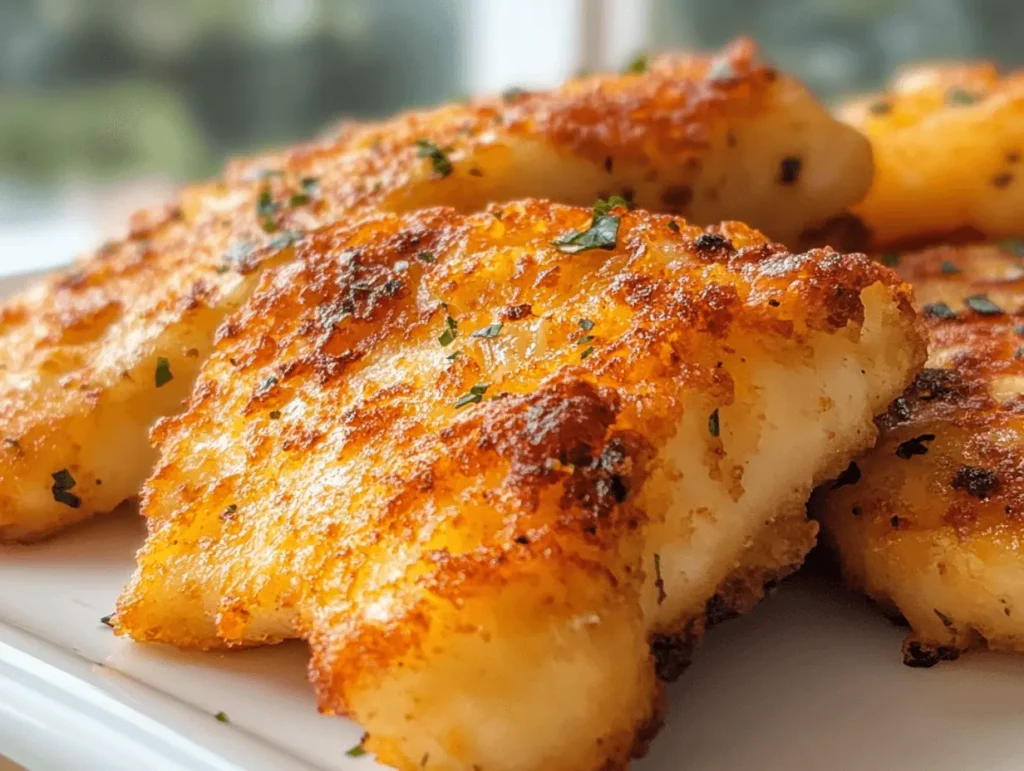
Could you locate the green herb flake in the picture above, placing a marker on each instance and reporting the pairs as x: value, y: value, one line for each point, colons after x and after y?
x: 713, y: 424
x: 603, y: 207
x: 475, y: 395
x: 673, y: 226
x: 659, y: 582
x: 489, y: 332
x: 356, y: 752
x: 222, y: 717
x: 265, y: 204
x: 453, y: 356
x: 949, y: 268
x: 512, y: 94
x: 229, y: 511
x: 268, y: 224
x: 107, y: 620
x: 602, y: 234
x: 946, y: 620
x: 1018, y: 329
x: 1014, y: 245
x: 437, y: 156
x: 163, y: 374
x: 959, y: 97
x: 637, y: 64
x: 890, y: 259
x: 285, y: 239
x: 299, y: 199
x: 451, y: 331
x: 585, y: 339
x: 881, y: 107
x: 310, y: 185
x: 939, y: 311
x: 1019, y: 353
x: 427, y: 257
x: 586, y: 352
x: 980, y: 303
x: 586, y: 325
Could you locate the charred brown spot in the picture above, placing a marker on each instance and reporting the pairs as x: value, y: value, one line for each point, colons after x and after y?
x: 921, y: 655
x: 976, y: 481
x: 718, y: 609
x: 711, y: 241
x: 671, y: 656
x: 850, y: 476
x: 789, y: 170
x: 914, y: 446
x: 676, y: 197
x: 1002, y: 180
x: 516, y: 312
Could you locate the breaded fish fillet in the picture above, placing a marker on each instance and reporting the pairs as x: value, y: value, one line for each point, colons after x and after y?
x: 930, y: 523
x: 948, y: 143
x: 484, y: 464
x: 89, y: 360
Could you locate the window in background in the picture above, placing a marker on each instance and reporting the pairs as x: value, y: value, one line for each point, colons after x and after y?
x: 106, y: 105
x: 841, y: 46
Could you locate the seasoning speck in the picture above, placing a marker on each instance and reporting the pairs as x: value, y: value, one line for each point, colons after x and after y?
x: 163, y: 374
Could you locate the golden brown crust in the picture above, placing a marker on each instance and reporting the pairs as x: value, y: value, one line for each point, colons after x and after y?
x: 947, y: 141
x: 336, y: 477
x: 701, y: 135
x: 931, y: 521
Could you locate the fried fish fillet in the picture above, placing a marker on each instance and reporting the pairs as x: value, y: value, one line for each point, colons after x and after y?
x: 948, y: 143
x: 90, y: 359
x: 486, y: 464
x: 930, y: 523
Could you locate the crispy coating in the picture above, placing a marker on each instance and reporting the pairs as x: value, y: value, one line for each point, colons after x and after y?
x: 932, y: 523
x: 948, y: 142
x: 483, y: 483
x: 80, y: 354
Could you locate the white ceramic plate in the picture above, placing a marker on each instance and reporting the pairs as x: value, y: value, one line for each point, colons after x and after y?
x: 811, y: 681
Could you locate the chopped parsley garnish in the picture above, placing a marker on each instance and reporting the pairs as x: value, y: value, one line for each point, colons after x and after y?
x: 949, y: 268
x: 713, y: 425
x: 453, y: 356
x: 721, y: 69
x: 229, y: 510
x: 586, y: 325
x: 890, y: 259
x: 356, y: 752
x: 287, y: 238
x: 451, y: 331
x: 62, y: 484
x: 586, y: 352
x: 960, y: 96
x: 602, y: 233
x: 1013, y: 245
x: 1019, y: 353
x: 265, y: 209
x: 602, y: 207
x: 979, y: 303
x: 673, y: 226
x: 512, y: 94
x: 638, y: 63
x: 881, y: 107
x: 475, y: 395
x: 222, y: 717
x: 1018, y: 329
x: 585, y: 339
x: 426, y: 257
x: 107, y: 620
x: 299, y: 199
x: 163, y: 374
x: 659, y: 582
x: 310, y: 185
x: 915, y: 446
x: 939, y: 311
x: 437, y: 156
x: 946, y: 620
x: 488, y: 332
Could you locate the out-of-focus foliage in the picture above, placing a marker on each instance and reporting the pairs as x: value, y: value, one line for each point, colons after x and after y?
x: 114, y: 87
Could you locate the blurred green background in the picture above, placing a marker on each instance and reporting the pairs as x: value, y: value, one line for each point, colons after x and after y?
x: 108, y: 105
